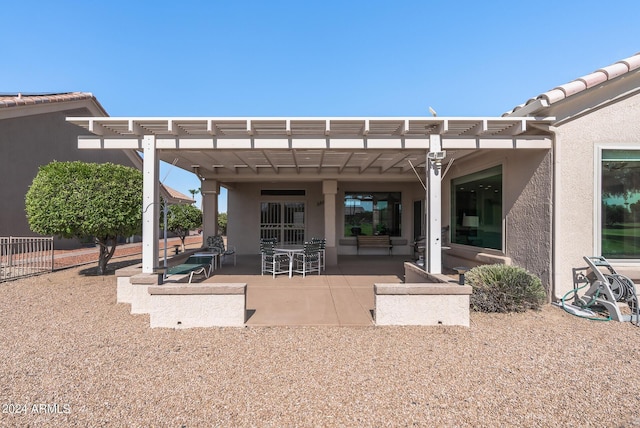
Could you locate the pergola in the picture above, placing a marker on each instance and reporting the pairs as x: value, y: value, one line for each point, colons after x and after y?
x: 227, y: 150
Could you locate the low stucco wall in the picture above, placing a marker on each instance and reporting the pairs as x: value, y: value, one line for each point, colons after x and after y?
x: 422, y: 304
x: 423, y: 299
x: 416, y: 274
x: 180, y: 305
x: 469, y: 257
x: 198, y: 305
x: 124, y: 293
x: 140, y: 298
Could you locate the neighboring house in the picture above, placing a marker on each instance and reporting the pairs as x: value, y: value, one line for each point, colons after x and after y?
x: 34, y: 132
x: 173, y: 197
x: 530, y: 188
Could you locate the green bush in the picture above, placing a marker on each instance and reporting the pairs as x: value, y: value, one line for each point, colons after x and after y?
x: 502, y: 288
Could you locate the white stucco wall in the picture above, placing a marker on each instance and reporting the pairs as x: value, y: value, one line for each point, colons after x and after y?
x: 244, y: 211
x: 243, y: 208
x: 613, y: 126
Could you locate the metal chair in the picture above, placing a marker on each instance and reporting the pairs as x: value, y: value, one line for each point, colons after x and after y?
x: 321, y: 250
x: 271, y: 261
x: 308, y: 260
x: 216, y: 243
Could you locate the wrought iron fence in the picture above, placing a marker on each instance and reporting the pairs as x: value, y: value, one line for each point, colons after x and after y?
x: 21, y: 257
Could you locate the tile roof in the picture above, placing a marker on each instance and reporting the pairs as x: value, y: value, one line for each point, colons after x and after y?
x: 177, y: 196
x: 583, y: 83
x: 19, y: 99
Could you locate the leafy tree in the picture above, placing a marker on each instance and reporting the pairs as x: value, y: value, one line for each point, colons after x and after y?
x: 82, y: 200
x: 222, y: 223
x: 194, y: 192
x: 181, y: 219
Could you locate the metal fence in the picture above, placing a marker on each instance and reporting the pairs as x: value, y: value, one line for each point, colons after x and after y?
x: 25, y: 256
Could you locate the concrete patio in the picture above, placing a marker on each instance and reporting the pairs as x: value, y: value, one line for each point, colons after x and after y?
x: 341, y: 296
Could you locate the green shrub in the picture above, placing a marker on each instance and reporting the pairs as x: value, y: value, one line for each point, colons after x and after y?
x: 503, y: 288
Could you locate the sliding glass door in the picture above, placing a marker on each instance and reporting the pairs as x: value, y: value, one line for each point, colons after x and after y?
x: 283, y: 221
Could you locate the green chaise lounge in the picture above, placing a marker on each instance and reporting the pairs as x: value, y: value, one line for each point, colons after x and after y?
x: 194, y: 265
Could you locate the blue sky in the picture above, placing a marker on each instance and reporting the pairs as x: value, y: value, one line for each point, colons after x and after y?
x: 309, y: 58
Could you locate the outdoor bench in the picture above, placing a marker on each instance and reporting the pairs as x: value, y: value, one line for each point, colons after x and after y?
x: 375, y: 241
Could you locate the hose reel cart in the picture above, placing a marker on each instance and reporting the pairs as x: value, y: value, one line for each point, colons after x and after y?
x: 605, y: 289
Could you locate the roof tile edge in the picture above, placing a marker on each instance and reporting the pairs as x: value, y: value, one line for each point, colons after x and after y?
x: 20, y: 99
x: 585, y: 82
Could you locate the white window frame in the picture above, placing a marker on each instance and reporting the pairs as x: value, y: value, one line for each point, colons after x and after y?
x: 472, y: 169
x: 597, y: 200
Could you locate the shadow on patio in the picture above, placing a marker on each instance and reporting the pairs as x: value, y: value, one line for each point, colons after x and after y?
x: 342, y: 295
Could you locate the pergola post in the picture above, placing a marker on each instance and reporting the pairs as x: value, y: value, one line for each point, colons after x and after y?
x: 433, y: 262
x: 330, y: 189
x: 150, y: 204
x: 210, y: 191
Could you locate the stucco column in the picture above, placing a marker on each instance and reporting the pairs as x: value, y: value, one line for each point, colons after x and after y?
x: 150, y: 204
x: 210, y: 190
x: 434, y: 222
x: 330, y: 189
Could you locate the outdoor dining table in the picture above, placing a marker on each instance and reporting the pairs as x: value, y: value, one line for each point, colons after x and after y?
x: 290, y: 251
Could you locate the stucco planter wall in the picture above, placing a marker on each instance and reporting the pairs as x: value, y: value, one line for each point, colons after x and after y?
x: 423, y: 299
x: 422, y: 304
x: 197, y: 305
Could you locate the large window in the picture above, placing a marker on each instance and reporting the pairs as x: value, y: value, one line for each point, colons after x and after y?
x: 372, y: 213
x: 476, y: 211
x: 620, y: 212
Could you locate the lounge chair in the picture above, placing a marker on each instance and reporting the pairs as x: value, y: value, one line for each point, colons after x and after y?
x: 194, y: 265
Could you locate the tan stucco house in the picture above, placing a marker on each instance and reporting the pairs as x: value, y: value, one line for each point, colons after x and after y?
x: 34, y: 132
x: 526, y: 188
x: 596, y: 166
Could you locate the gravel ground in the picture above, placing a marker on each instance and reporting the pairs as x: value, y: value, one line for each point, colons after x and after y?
x: 72, y: 356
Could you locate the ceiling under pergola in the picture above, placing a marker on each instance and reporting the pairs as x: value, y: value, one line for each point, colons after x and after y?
x: 243, y: 149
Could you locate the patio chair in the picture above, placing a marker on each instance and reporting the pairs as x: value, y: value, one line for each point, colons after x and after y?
x: 194, y: 265
x: 216, y: 243
x: 271, y: 261
x: 322, y: 245
x: 308, y: 260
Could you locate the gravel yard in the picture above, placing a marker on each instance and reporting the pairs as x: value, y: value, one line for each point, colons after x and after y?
x: 72, y: 356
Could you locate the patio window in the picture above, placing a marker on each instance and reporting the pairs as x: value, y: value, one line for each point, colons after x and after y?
x: 620, y: 204
x: 283, y: 221
x: 476, y: 212
x: 372, y: 213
